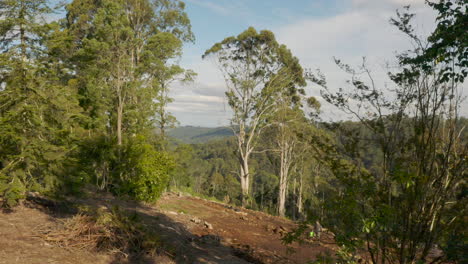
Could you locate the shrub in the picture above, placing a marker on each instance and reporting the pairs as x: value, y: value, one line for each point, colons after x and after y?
x: 11, y: 192
x: 144, y: 171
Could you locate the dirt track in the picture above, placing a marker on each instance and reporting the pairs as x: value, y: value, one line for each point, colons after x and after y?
x: 253, y: 234
x: 198, y: 231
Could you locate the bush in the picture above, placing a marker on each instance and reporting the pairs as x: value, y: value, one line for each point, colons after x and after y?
x: 11, y: 192
x: 144, y: 171
x: 136, y: 169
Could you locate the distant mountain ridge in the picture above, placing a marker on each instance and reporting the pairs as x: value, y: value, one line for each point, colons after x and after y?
x: 194, y: 135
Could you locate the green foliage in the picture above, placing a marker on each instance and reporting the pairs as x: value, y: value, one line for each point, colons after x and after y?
x: 144, y: 172
x: 97, y: 161
x: 258, y: 71
x: 11, y: 192
x: 126, y: 62
x: 207, y: 170
x: 447, y: 46
x: 19, y: 21
x: 39, y: 112
x: 72, y: 91
x: 404, y: 193
x: 136, y: 170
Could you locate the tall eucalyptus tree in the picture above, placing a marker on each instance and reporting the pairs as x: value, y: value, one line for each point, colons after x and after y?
x: 257, y: 70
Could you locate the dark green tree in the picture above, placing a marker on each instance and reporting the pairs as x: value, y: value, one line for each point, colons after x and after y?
x: 123, y: 51
x: 123, y: 54
x: 38, y: 110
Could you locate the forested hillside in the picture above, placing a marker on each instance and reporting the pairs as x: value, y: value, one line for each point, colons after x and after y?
x: 192, y: 135
x: 87, y: 137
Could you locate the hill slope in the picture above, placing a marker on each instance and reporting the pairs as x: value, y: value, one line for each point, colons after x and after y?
x: 195, y: 135
x: 195, y: 230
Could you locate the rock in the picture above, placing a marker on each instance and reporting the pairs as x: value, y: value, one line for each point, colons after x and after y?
x: 241, y: 213
x: 172, y: 213
x: 195, y: 220
x: 269, y: 228
x: 318, y: 229
x: 227, y: 240
x: 280, y: 230
x: 208, y: 225
x: 275, y: 230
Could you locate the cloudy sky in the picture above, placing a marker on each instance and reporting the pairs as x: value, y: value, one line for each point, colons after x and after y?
x: 315, y: 31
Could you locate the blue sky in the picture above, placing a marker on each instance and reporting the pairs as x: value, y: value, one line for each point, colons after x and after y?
x: 315, y: 31
x: 213, y: 20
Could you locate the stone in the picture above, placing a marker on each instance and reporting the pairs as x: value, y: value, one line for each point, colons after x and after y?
x: 195, y: 220
x: 208, y: 225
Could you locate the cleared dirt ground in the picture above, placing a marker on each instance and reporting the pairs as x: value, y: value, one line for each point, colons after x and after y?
x: 19, y: 242
x: 195, y: 231
x: 255, y: 235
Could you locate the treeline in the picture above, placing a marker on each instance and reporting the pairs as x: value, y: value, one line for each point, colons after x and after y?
x: 210, y: 169
x: 83, y: 98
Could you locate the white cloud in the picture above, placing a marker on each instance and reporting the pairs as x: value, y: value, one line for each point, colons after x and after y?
x: 363, y: 30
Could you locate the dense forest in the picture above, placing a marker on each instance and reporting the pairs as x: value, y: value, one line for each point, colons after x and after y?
x: 84, y: 102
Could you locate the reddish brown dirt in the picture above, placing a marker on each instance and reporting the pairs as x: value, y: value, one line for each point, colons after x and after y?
x: 236, y: 236
x: 254, y: 235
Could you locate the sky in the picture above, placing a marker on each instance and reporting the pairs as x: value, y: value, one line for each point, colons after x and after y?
x: 316, y: 31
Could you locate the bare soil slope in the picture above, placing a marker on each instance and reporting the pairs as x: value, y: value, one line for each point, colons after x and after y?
x: 254, y: 235
x: 193, y: 230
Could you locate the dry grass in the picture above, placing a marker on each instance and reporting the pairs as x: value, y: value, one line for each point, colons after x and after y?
x: 80, y: 231
x: 104, y: 230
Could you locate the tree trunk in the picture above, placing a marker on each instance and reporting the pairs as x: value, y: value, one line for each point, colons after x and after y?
x: 119, y: 124
x: 299, y: 198
x: 284, y: 171
x: 282, y: 196
x: 294, y: 212
x: 162, y: 111
x: 22, y: 32
x: 245, y: 179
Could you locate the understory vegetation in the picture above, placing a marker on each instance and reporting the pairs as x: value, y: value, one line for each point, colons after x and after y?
x: 84, y: 101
